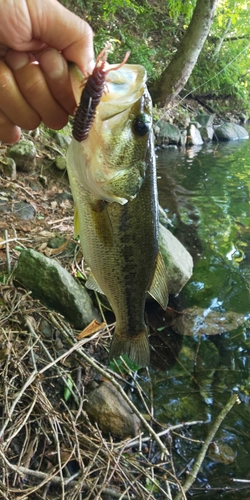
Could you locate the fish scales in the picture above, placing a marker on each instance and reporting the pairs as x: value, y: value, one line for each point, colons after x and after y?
x: 120, y: 239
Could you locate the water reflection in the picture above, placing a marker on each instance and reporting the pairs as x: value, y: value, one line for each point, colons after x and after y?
x: 206, y: 193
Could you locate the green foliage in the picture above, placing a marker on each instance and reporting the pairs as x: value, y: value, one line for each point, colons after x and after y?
x: 68, y: 388
x: 123, y: 365
x: 179, y: 8
x: 151, y: 31
x: 222, y: 69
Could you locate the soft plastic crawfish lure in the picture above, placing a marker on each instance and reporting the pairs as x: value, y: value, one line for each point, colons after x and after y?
x: 94, y: 86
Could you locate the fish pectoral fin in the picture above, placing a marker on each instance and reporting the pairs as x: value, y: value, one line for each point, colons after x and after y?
x: 92, y: 284
x: 76, y: 222
x: 159, y: 286
x: 102, y: 223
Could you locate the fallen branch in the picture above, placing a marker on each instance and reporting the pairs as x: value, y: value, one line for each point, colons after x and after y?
x: 197, y: 465
x: 116, y: 384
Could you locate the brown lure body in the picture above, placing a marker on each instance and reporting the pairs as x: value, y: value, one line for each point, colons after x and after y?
x: 92, y: 93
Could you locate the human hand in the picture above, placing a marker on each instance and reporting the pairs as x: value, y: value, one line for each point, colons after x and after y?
x: 37, y: 38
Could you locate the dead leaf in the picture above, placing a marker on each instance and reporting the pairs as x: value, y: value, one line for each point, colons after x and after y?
x: 2, y: 243
x: 55, y: 251
x: 92, y: 328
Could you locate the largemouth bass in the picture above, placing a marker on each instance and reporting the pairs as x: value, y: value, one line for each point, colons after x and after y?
x: 113, y: 180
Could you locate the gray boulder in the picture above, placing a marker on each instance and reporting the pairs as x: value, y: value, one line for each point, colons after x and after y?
x: 8, y: 167
x: 55, y: 287
x: 194, y: 137
x: 166, y: 133
x: 205, y: 120
x: 230, y: 132
x: 207, y: 133
x: 24, y: 155
x: 177, y: 259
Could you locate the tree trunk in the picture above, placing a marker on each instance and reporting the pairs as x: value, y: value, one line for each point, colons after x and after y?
x: 165, y: 89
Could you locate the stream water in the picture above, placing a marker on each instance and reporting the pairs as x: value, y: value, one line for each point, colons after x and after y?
x: 206, y: 194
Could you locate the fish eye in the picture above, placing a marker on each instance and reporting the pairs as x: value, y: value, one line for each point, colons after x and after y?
x: 142, y: 124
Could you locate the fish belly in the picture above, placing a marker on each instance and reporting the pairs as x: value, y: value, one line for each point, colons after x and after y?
x: 120, y: 244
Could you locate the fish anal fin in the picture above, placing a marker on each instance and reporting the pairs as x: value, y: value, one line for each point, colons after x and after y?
x: 159, y: 287
x: 92, y: 284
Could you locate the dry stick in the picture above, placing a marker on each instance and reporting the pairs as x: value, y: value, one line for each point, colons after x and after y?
x: 240, y: 480
x: 9, y: 240
x: 192, y: 475
x: 135, y: 442
x: 115, y: 465
x: 17, y: 399
x: 61, y: 371
x: 18, y: 429
x: 115, y: 384
x: 36, y: 473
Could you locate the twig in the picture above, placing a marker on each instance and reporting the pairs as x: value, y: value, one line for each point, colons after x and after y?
x: 197, y: 465
x: 17, y: 399
x: 240, y: 480
x: 61, y: 371
x: 116, y: 385
x: 135, y: 442
x: 36, y: 473
x: 9, y: 240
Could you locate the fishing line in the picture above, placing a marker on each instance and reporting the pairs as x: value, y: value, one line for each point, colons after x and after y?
x: 207, y: 81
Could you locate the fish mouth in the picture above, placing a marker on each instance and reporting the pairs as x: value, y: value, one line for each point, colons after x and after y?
x: 110, y: 163
x: 123, y: 88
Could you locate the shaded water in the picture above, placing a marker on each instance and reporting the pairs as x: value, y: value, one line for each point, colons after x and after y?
x: 206, y: 194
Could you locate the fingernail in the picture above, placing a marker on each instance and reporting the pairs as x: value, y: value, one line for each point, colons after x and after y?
x: 16, y: 60
x: 53, y: 64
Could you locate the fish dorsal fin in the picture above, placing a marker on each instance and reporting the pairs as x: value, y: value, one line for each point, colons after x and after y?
x: 92, y: 284
x: 159, y: 287
x: 76, y: 222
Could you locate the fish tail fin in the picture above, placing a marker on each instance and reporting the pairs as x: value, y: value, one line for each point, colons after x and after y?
x: 136, y: 348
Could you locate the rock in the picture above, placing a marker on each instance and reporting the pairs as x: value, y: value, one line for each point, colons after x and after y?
x: 230, y: 132
x: 182, y: 120
x: 243, y: 118
x: 61, y: 163
x: 163, y: 218
x: 194, y: 137
x: 196, y: 124
x: 24, y: 210
x: 56, y: 241
x: 205, y: 120
x: 168, y: 134
x: 106, y: 407
x: 177, y: 259
x: 24, y: 155
x: 183, y: 138
x: 198, y: 321
x: 55, y: 287
x: 8, y: 167
x: 207, y: 133
x: 61, y: 140
x: 221, y: 453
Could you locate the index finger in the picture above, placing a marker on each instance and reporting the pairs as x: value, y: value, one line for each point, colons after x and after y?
x: 61, y: 29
